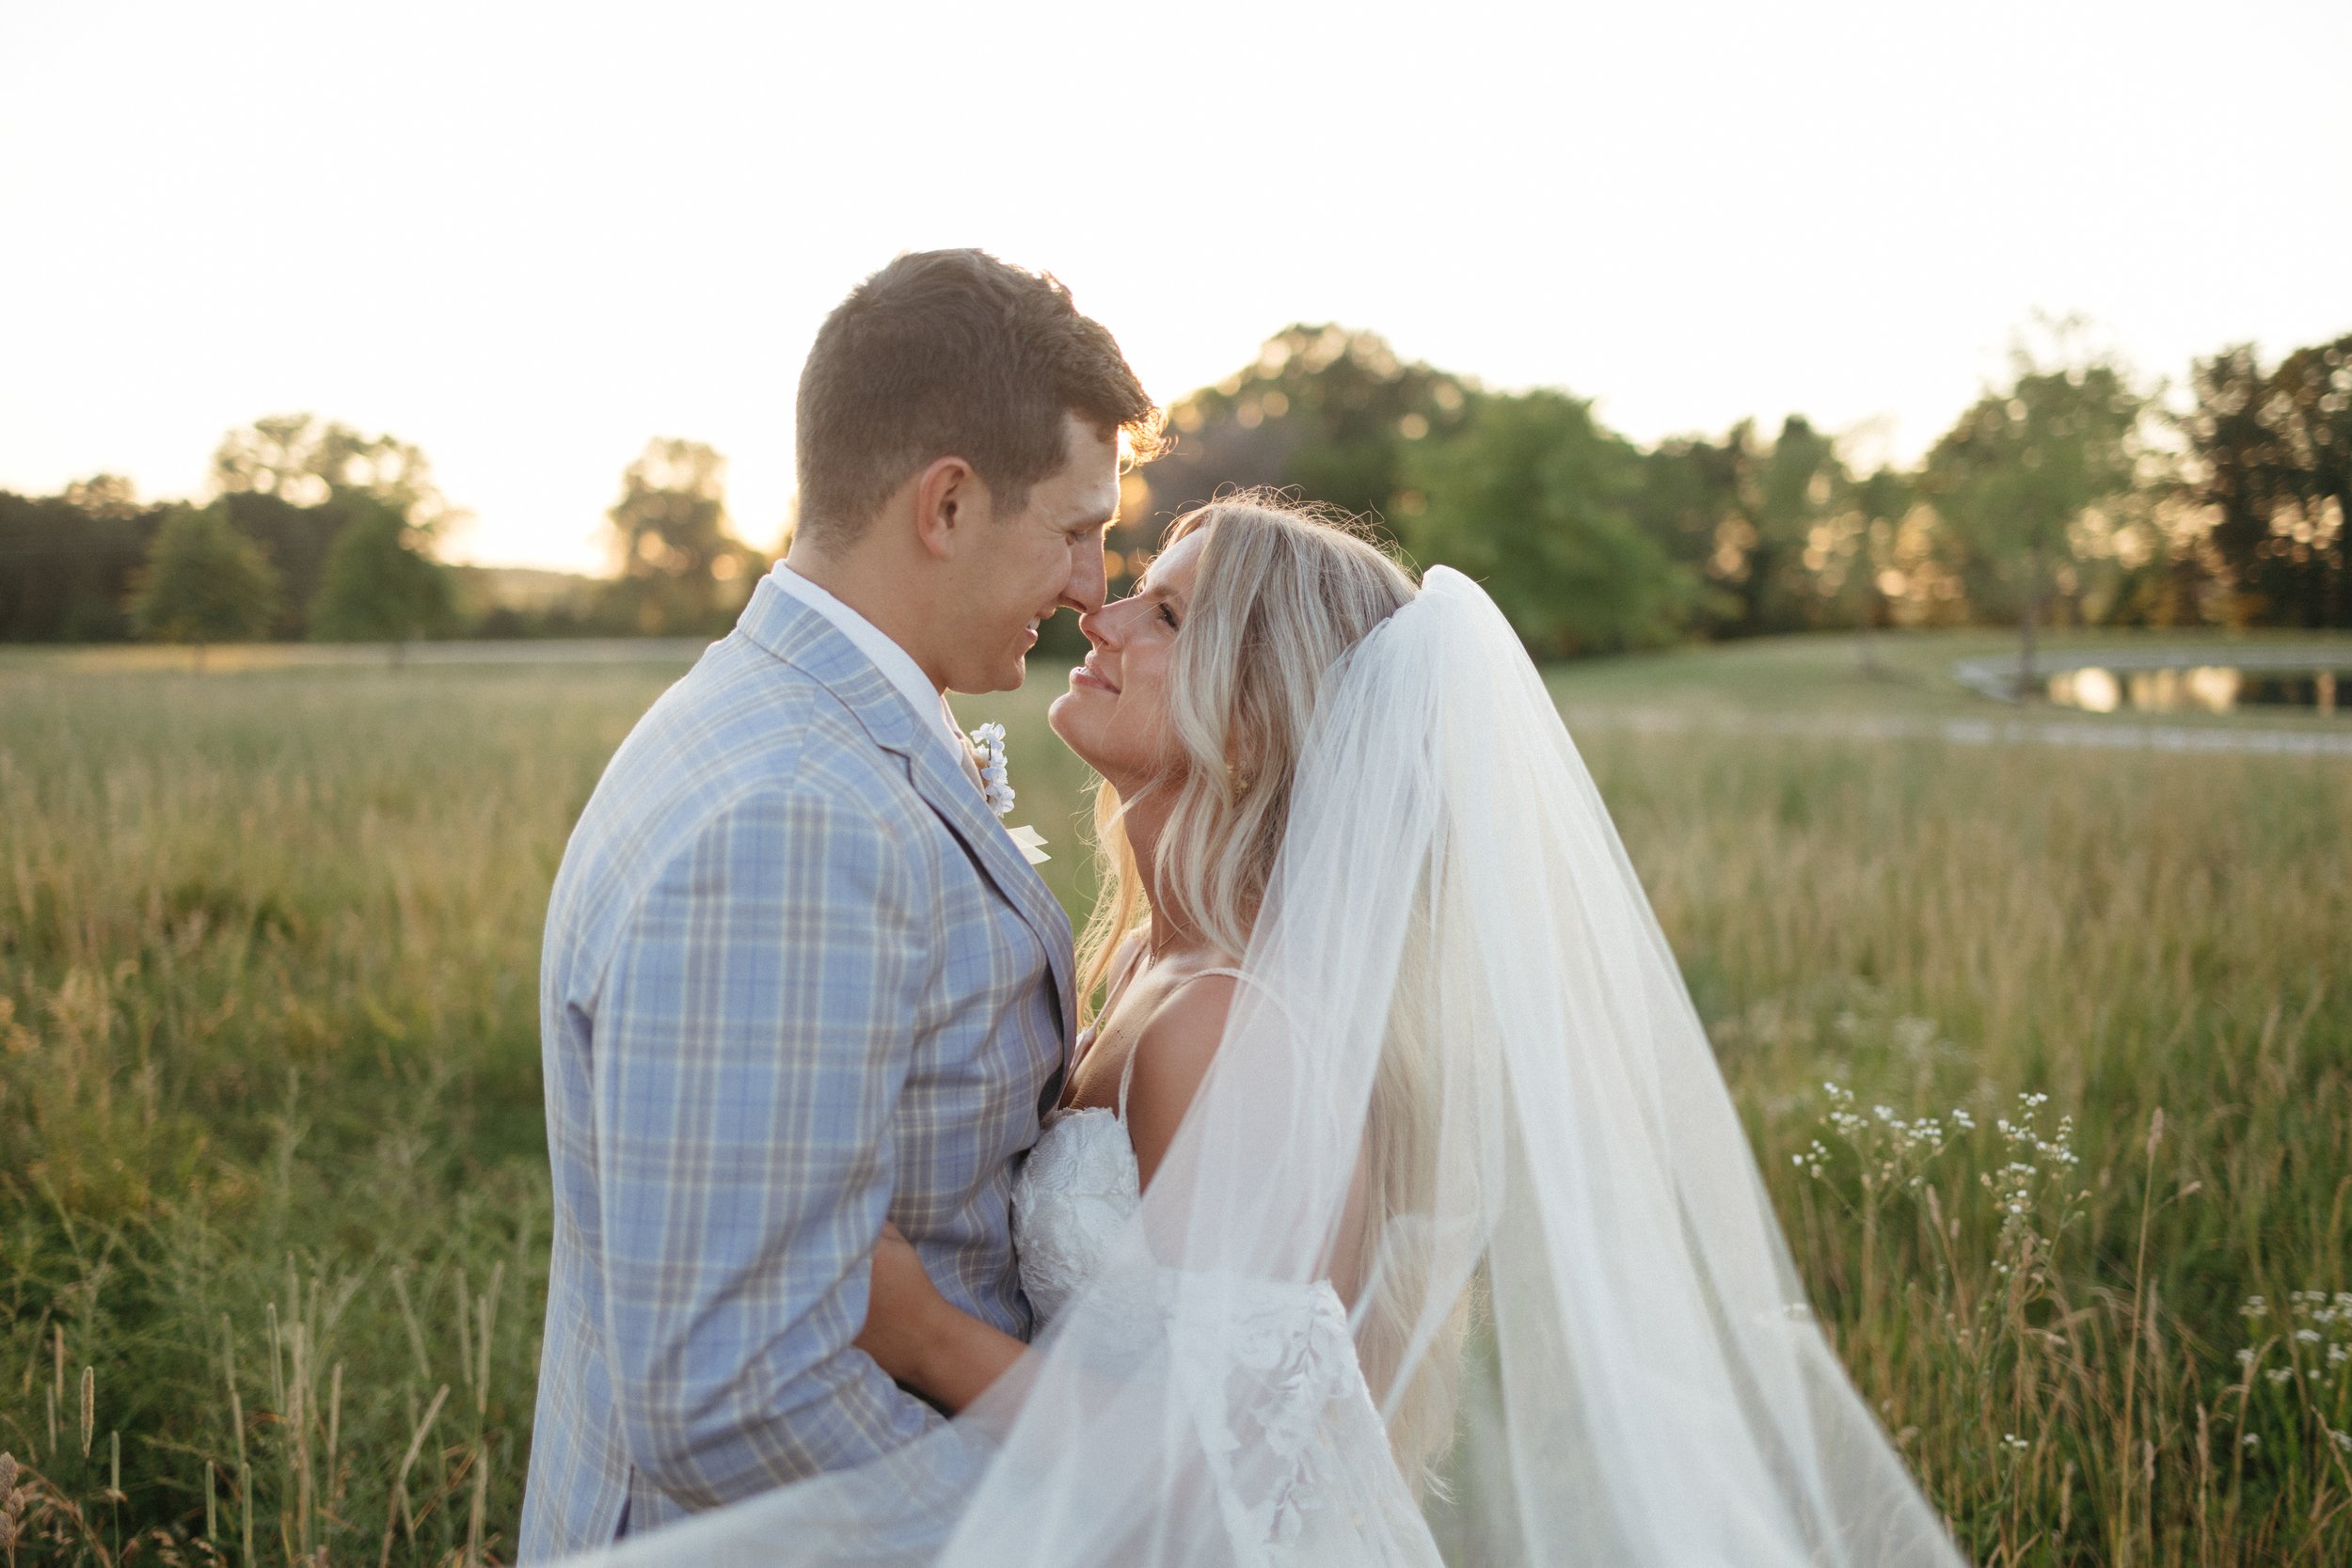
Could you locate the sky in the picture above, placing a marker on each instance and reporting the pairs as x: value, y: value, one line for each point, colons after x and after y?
x: 527, y: 238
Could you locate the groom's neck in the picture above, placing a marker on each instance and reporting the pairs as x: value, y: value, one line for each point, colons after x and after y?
x: 889, y: 593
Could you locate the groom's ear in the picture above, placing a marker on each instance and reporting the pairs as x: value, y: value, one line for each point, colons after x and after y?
x: 950, y: 502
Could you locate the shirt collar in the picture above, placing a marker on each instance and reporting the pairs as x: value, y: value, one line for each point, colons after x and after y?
x: 895, y: 662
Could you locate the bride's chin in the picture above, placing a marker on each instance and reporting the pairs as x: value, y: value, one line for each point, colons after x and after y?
x: 1059, y: 719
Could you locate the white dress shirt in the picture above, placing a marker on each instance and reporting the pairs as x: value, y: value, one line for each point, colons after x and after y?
x: 891, y: 659
x: 898, y: 666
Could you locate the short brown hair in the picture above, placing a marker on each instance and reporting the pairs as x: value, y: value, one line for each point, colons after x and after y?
x: 952, y: 353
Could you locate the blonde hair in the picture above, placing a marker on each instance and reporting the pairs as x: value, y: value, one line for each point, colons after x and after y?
x: 1283, y: 590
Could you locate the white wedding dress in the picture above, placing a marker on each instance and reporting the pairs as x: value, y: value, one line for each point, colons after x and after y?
x: 1453, y: 931
x: 1076, y: 1195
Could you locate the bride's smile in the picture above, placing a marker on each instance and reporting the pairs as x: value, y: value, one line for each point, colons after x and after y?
x: 1114, y: 715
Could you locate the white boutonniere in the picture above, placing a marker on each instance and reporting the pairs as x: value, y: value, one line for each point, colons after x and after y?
x: 988, y: 751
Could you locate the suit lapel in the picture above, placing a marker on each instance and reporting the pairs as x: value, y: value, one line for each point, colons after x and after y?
x: 800, y: 636
x: 941, y: 782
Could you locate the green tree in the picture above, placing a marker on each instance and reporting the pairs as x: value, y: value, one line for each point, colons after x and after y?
x: 1758, y: 524
x: 296, y: 483
x: 381, y: 583
x: 68, y: 562
x: 2270, y: 460
x: 1878, y: 504
x: 1690, y: 502
x: 680, y: 569
x: 1325, y: 409
x: 1532, y: 496
x: 2027, y: 476
x: 204, y: 582
x: 304, y: 461
x: 1802, y: 555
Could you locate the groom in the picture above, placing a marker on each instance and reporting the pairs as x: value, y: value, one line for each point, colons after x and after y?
x: 798, y: 978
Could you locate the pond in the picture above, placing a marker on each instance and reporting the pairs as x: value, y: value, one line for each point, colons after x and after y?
x: 2199, y: 689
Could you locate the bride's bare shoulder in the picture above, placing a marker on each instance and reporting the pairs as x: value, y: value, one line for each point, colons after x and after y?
x: 1172, y: 1057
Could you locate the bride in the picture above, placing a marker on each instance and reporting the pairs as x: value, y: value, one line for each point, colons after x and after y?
x: 1395, y: 1211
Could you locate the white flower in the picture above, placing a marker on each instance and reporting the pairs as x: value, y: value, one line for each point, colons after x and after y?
x: 988, y: 742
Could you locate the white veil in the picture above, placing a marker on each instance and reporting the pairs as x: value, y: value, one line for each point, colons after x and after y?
x: 1644, y: 1384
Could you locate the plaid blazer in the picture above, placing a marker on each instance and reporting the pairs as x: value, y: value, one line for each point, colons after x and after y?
x: 796, y: 979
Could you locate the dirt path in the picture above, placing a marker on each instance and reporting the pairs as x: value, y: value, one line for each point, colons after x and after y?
x: 2003, y: 731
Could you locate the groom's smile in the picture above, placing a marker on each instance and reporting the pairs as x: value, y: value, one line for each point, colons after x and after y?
x: 1044, y: 557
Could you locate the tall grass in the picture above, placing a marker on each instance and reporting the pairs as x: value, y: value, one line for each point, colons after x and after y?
x: 2048, y: 1058
x: 273, y: 1208
x: 271, y: 1157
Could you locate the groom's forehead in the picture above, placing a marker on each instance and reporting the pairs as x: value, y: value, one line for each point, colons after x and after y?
x: 1086, y: 500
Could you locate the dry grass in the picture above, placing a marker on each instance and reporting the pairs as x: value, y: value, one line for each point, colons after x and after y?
x: 271, y: 1163
x: 2050, y: 1307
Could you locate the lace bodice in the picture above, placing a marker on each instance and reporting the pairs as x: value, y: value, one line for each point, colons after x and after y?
x: 1304, y: 1466
x: 1078, y: 1187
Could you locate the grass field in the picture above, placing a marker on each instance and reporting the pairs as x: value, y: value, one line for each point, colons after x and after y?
x: 273, y: 1209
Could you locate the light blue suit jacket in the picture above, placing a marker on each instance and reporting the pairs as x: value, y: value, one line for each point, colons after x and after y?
x: 796, y: 979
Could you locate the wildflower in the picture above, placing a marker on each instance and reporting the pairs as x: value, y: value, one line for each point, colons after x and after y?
x: 2255, y: 1307
x: 2279, y: 1375
x: 2249, y: 1441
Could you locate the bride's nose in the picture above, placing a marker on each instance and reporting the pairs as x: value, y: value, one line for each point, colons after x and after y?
x: 1098, y: 624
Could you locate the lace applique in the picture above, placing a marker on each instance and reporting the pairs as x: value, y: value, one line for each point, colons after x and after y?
x: 1267, y: 1368
x: 1077, y: 1188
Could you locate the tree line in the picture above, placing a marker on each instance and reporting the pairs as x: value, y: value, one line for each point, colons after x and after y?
x: 2070, y: 495
x: 316, y: 531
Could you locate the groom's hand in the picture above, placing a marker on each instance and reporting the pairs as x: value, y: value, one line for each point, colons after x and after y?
x: 902, y: 1308
x: 918, y: 1338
